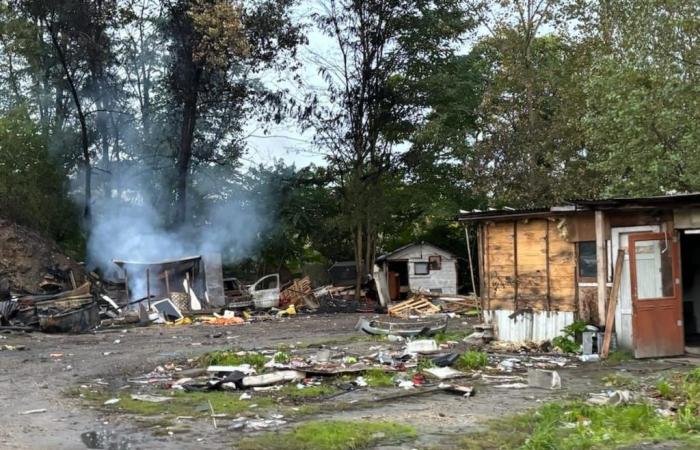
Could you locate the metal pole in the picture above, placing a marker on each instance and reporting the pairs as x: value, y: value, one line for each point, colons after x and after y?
x: 471, y: 269
x: 148, y: 287
x: 126, y: 285
x: 167, y: 283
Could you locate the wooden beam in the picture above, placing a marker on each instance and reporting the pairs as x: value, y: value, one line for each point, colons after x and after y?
x: 515, y: 265
x: 601, y: 263
x: 546, y: 262
x: 612, y: 305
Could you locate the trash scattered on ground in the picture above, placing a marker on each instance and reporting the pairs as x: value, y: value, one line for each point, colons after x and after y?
x: 151, y: 398
x: 544, y: 379
x: 33, y: 411
x: 444, y: 373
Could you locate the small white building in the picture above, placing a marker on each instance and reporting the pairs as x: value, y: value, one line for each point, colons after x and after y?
x: 418, y: 266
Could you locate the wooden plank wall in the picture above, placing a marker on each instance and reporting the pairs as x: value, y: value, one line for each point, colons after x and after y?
x: 528, y: 265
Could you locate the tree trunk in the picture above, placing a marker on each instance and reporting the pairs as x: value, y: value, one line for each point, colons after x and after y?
x: 358, y: 260
x: 184, y: 155
x: 87, y: 168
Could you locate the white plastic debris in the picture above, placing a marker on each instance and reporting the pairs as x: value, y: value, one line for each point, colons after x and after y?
x: 422, y: 346
x: 545, y: 379
x: 151, y: 398
x: 111, y: 401
x: 33, y: 411
x: 243, y: 368
x: 443, y: 373
x: 273, y: 378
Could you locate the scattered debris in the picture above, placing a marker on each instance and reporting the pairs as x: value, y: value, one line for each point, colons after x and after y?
x: 544, y: 379
x: 33, y: 411
x: 406, y: 328
x: 151, y: 398
x: 267, y: 379
x: 444, y: 373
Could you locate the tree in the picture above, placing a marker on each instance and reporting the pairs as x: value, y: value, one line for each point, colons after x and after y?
x: 383, y: 49
x: 77, y: 33
x: 217, y: 47
x: 641, y: 89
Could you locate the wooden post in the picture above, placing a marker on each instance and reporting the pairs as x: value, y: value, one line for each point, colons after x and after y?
x: 148, y: 287
x: 612, y: 305
x: 167, y: 282
x: 515, y: 265
x: 126, y: 285
x: 471, y: 266
x: 546, y: 263
x: 601, y: 263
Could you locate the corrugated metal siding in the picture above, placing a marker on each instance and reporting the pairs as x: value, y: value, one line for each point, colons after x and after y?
x: 537, y: 326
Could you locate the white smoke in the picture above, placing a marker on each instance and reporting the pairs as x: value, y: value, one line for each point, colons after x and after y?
x: 132, y: 223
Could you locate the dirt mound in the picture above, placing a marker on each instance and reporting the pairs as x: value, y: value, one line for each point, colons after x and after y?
x: 33, y: 263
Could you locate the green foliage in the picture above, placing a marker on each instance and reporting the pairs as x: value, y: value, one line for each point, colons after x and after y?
x: 665, y: 389
x: 230, y: 358
x: 472, y: 360
x: 291, y: 391
x: 281, y: 357
x: 577, y: 426
x: 33, y: 187
x: 619, y: 356
x: 379, y: 378
x: 330, y: 435
x: 567, y: 342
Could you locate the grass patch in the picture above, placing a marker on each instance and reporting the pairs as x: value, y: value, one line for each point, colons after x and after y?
x: 330, y: 435
x: 378, y: 378
x: 472, y: 360
x: 230, y: 358
x: 183, y: 403
x: 619, y: 356
x: 577, y: 425
x: 445, y: 336
x: 291, y: 391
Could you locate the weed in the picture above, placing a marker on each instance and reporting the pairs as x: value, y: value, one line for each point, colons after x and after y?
x: 281, y: 357
x: 230, y: 358
x: 424, y: 364
x: 472, y: 360
x: 330, y: 435
x: 665, y: 389
x: 445, y: 336
x: 378, y: 378
x: 619, y: 356
x: 567, y: 342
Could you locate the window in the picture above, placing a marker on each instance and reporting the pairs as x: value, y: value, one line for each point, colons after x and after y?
x: 435, y: 262
x: 587, y: 266
x: 421, y: 268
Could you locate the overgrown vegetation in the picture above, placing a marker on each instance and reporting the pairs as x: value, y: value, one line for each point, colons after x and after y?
x: 472, y: 360
x: 570, y: 340
x: 619, y: 356
x: 378, y: 378
x: 330, y: 435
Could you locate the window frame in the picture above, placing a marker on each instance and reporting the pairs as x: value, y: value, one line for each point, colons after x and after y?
x: 435, y: 259
x: 415, y: 268
x: 579, y: 265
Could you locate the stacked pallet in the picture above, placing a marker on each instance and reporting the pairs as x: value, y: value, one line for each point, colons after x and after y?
x: 416, y: 306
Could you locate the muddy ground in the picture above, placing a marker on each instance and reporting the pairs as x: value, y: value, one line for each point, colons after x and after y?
x: 35, y: 379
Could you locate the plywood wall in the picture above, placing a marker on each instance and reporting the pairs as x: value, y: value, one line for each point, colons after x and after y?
x: 528, y: 264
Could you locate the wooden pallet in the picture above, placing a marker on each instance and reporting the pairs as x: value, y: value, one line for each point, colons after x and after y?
x: 419, y: 306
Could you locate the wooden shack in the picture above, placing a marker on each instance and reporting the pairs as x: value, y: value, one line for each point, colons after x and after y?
x: 541, y: 269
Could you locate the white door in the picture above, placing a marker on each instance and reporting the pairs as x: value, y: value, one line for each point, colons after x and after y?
x: 266, y: 292
x: 623, y: 312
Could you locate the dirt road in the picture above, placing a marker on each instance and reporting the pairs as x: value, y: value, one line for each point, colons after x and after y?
x: 41, y: 376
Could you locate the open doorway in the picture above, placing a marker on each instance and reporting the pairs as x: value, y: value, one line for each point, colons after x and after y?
x: 690, y: 274
x: 398, y: 279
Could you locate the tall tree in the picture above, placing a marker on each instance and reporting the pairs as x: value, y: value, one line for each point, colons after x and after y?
x: 382, y: 49
x: 217, y: 49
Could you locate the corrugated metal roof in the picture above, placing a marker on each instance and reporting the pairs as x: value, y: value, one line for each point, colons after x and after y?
x: 496, y: 213
x: 689, y: 199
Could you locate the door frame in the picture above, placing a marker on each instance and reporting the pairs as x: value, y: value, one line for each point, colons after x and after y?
x: 624, y: 329
x: 674, y: 246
